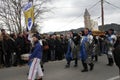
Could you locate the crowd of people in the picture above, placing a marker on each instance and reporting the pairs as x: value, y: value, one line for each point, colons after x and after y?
x: 88, y: 47
x: 12, y: 46
x: 71, y: 46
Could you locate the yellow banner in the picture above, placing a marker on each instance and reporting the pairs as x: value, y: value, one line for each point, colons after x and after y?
x: 29, y: 17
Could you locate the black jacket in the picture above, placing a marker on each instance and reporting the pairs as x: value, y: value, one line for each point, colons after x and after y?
x: 116, y: 53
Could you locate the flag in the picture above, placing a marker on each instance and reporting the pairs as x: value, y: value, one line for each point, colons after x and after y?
x: 29, y: 15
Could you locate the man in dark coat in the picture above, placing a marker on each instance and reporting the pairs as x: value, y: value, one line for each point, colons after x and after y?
x: 1, y: 52
x: 58, y: 48
x: 7, y: 48
x: 45, y: 50
x: 116, y: 53
x: 52, y: 47
x: 20, y: 48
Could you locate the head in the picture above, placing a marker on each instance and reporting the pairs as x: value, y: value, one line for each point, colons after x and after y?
x: 62, y: 36
x: 86, y: 31
x: 3, y: 31
x: 13, y: 36
x: 47, y: 36
x: 80, y: 33
x: 70, y: 34
x: 54, y: 36
x: 20, y: 34
x: 111, y: 31
x: 36, y: 37
x: 25, y: 33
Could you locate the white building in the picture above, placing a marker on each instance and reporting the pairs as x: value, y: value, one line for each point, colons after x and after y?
x: 89, y: 23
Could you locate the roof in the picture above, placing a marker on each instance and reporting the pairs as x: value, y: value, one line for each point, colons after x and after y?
x: 86, y: 13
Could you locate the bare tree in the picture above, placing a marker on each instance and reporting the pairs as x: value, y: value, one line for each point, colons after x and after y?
x: 11, y: 13
x: 39, y: 10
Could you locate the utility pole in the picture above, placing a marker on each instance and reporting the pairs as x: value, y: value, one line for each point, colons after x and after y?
x: 102, y: 14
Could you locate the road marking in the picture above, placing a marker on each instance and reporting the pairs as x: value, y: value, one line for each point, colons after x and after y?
x: 114, y: 78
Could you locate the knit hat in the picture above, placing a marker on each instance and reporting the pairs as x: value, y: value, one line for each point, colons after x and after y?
x: 37, y: 36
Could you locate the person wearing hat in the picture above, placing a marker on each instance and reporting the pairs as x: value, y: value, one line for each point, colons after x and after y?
x: 35, y: 58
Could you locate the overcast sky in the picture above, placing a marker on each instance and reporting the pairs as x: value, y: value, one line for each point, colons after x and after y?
x: 68, y: 14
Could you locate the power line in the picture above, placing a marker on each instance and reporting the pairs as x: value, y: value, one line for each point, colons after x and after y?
x: 93, y: 5
x: 72, y: 7
x: 63, y: 7
x: 112, y: 4
x: 73, y: 20
x: 90, y: 9
x: 81, y: 14
x: 97, y: 18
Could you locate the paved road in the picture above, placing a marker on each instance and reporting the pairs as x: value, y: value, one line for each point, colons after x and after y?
x: 57, y: 71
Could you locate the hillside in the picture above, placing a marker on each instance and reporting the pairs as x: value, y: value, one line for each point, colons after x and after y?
x: 114, y: 26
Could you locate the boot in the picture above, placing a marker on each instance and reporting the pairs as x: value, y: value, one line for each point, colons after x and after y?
x: 75, y: 65
x: 84, y: 66
x: 39, y: 79
x: 84, y: 70
x: 119, y: 72
x: 91, y: 66
x: 96, y: 58
x: 67, y: 66
x: 110, y: 62
x: 76, y: 62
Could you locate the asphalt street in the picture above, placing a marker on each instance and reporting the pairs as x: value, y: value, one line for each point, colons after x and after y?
x: 56, y: 71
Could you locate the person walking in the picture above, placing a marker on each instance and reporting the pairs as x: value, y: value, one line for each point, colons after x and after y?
x: 86, y: 49
x: 35, y: 59
x: 73, y: 49
x: 111, y: 40
x: 116, y: 53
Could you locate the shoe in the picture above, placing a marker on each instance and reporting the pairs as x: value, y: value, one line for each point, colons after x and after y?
x: 43, y: 70
x: 75, y: 65
x: 96, y: 60
x: 39, y: 79
x: 91, y: 67
x: 84, y: 70
x: 119, y: 71
x: 67, y: 66
x: 110, y: 64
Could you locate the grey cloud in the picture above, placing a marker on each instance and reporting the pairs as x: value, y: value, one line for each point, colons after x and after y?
x: 66, y: 10
x: 78, y: 7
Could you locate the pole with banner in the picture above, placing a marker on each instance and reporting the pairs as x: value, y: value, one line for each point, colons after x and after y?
x: 29, y: 17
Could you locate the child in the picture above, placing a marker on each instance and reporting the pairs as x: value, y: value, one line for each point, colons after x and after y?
x: 36, y: 56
